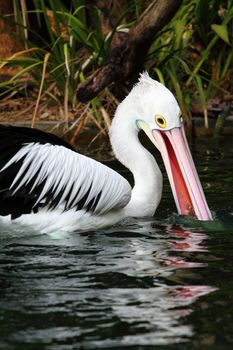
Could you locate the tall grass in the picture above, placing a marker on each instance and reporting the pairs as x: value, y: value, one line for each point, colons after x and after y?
x: 192, y: 55
x: 68, y: 50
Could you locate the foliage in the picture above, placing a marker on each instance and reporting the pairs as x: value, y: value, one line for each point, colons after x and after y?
x: 192, y: 55
x: 67, y: 48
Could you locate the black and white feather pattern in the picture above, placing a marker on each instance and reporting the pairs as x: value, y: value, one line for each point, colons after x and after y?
x: 39, y: 170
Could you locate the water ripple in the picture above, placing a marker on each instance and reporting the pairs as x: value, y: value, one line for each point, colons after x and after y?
x: 140, y: 284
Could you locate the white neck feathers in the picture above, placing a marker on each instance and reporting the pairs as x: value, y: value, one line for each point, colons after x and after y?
x: 147, y: 190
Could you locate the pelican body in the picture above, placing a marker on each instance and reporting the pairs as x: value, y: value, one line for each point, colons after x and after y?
x: 45, y: 183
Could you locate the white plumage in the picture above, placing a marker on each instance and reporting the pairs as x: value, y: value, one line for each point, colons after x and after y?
x: 73, y: 174
x: 62, y: 190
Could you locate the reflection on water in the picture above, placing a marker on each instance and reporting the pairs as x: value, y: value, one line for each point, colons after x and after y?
x: 110, y: 288
x: 140, y: 283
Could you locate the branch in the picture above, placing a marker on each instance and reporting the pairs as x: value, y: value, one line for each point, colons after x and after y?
x: 128, y: 52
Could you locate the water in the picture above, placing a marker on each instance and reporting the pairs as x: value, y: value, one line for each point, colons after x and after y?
x: 154, y: 283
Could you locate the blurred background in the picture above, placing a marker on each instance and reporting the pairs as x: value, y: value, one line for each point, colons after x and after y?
x: 49, y: 50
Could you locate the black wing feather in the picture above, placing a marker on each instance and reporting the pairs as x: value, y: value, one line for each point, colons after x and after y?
x: 12, y: 139
x: 25, y: 196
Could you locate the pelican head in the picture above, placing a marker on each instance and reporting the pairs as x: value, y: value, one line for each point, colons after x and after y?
x: 154, y: 109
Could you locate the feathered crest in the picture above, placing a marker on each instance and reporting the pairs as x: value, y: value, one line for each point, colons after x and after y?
x: 144, y: 77
x: 145, y: 83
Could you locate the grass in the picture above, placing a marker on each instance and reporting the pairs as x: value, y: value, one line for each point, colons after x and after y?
x: 192, y: 55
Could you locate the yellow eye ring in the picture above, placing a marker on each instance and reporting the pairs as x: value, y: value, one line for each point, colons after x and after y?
x: 160, y: 121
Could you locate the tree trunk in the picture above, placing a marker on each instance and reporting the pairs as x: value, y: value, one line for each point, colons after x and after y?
x: 128, y: 53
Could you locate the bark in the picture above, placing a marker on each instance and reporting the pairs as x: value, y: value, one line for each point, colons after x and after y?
x: 128, y: 51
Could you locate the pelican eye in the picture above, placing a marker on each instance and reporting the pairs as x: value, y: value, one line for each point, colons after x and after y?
x: 160, y: 121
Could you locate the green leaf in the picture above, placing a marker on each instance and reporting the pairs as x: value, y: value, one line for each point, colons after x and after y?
x: 179, y: 28
x: 221, y: 31
x: 160, y: 75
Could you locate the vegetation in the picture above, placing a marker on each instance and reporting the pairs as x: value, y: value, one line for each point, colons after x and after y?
x: 192, y: 55
x: 195, y: 53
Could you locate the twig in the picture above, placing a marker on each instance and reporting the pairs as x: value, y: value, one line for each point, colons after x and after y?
x: 77, y: 120
x: 40, y: 89
x: 106, y: 117
x: 82, y: 121
x: 128, y: 52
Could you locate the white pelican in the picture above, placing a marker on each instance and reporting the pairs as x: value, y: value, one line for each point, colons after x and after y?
x: 45, y: 183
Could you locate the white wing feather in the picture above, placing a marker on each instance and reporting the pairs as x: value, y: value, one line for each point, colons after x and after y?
x: 76, y: 175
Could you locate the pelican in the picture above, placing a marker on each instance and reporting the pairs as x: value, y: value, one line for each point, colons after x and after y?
x: 45, y: 183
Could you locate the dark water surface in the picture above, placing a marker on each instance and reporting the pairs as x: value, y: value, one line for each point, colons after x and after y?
x: 156, y: 283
